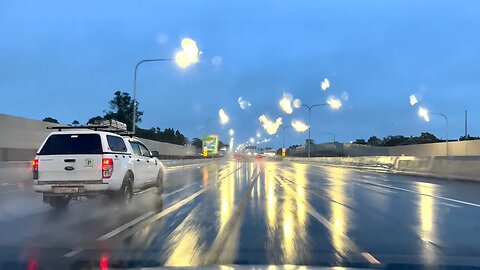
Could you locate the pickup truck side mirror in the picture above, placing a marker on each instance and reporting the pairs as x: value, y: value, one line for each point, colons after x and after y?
x: 154, y: 154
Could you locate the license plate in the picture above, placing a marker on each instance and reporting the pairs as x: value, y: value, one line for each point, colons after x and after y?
x: 67, y: 189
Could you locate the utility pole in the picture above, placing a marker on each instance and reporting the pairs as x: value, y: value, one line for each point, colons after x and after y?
x: 466, y: 124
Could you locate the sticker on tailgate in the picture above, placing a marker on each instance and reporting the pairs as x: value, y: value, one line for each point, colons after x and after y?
x: 88, y: 162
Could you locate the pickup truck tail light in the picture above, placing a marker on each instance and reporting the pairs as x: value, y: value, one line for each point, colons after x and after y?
x: 107, y: 167
x: 35, y: 168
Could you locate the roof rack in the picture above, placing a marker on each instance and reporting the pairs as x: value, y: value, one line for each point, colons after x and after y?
x: 96, y: 128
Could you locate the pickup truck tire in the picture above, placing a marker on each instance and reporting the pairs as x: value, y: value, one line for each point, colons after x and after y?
x: 125, y: 193
x: 58, y: 202
x: 159, y: 183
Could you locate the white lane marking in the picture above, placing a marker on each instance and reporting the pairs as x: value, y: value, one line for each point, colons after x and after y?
x: 451, y: 205
x: 423, y: 194
x: 369, y: 257
x: 186, y: 166
x: 167, y: 194
x: 319, y: 217
x: 178, y: 190
x: 143, y: 191
x: 148, y: 215
x: 125, y: 226
x: 73, y: 253
x: 9, y: 191
x: 415, y: 192
x: 152, y: 215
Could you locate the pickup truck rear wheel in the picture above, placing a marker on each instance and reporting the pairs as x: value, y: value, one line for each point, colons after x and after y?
x: 58, y: 202
x: 159, y: 183
x: 126, y: 191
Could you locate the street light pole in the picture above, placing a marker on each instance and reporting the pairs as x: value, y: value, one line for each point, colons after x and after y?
x: 206, y: 123
x: 309, y: 124
x: 331, y: 134
x: 446, y: 129
x: 284, y: 134
x: 135, y: 86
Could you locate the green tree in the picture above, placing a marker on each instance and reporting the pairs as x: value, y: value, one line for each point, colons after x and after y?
x: 221, y: 145
x: 95, y: 120
x: 468, y: 138
x: 50, y: 120
x: 395, y: 140
x: 374, y: 141
x: 197, y: 143
x: 426, y: 137
x: 360, y: 141
x: 122, y: 109
x: 75, y: 123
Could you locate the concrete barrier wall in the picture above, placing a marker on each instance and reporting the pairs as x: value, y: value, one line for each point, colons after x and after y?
x: 456, y: 168
x: 458, y: 148
x: 168, y: 149
x: 341, y: 149
x: 463, y: 148
x: 21, y: 137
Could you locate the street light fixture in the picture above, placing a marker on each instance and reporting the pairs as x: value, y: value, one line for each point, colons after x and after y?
x: 333, y: 103
x: 189, y: 55
x: 425, y: 114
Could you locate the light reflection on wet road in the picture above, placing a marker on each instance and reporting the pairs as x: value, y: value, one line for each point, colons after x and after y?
x: 262, y: 212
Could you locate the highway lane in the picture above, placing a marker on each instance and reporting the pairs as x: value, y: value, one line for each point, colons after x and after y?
x: 257, y: 213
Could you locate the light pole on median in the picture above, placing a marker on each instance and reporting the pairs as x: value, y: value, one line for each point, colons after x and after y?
x: 206, y: 124
x: 425, y: 114
x: 330, y: 134
x: 188, y: 55
x: 135, y: 86
x: 285, y: 127
x: 309, y: 124
x: 446, y: 129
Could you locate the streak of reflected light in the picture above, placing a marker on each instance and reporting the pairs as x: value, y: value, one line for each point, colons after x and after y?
x: 426, y: 216
x: 289, y: 241
x: 301, y: 182
x: 339, y: 215
x: 227, y: 196
x: 294, y: 215
x: 205, y: 176
x: 186, y: 250
x: 271, y: 198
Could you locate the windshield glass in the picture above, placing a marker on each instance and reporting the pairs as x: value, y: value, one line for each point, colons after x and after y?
x: 72, y: 144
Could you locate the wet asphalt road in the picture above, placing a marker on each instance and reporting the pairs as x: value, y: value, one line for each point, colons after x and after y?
x: 263, y: 212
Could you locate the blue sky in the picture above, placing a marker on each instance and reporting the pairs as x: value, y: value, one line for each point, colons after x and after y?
x: 66, y: 58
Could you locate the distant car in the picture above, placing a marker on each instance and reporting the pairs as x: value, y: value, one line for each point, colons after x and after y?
x: 237, y: 157
x: 75, y: 163
x: 260, y: 157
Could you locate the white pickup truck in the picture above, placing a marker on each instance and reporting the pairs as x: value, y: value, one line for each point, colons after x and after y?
x: 75, y: 163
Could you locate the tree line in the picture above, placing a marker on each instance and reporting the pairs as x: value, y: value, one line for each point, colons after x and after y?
x: 425, y: 137
x: 121, y: 109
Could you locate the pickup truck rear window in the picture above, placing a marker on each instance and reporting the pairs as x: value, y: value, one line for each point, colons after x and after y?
x: 116, y: 144
x: 72, y: 144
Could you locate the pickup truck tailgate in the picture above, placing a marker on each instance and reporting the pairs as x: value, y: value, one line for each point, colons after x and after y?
x: 70, y: 157
x: 70, y: 168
